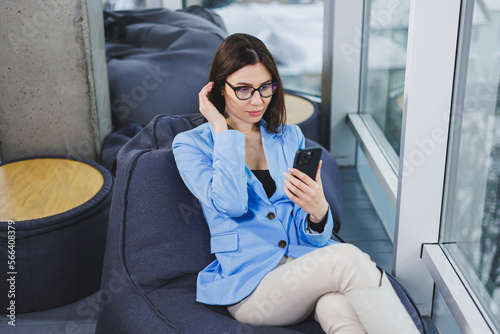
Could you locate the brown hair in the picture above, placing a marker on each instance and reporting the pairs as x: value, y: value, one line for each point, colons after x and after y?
x: 236, y: 52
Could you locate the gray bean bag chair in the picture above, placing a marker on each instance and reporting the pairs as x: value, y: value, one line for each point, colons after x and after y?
x: 158, y: 60
x: 158, y: 241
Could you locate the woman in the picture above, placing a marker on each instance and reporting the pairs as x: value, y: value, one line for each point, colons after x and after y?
x: 270, y: 225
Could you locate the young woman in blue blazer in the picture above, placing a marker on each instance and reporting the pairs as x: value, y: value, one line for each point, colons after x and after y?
x: 271, y: 225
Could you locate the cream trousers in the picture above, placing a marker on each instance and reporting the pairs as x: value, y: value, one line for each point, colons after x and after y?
x: 316, y: 281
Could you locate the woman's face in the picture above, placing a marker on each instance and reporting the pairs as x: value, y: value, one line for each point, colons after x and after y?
x: 245, y: 112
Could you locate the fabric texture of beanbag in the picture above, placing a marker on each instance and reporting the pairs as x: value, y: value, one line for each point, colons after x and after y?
x: 158, y: 60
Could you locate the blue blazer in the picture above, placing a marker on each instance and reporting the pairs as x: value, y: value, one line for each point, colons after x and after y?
x: 250, y: 233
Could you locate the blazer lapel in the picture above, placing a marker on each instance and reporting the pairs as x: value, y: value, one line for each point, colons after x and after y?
x: 275, y: 161
x: 255, y: 184
x: 273, y: 149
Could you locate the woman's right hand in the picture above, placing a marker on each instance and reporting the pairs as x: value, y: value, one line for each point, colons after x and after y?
x: 208, y: 110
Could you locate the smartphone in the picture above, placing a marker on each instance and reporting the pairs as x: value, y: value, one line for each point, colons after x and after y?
x: 307, y: 160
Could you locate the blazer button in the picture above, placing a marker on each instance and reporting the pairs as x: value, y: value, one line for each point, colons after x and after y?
x: 271, y: 215
x: 282, y: 243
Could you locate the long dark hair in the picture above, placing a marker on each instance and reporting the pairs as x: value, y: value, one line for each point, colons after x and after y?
x: 236, y: 52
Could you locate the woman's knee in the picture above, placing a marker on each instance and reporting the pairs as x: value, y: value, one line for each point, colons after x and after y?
x: 352, y: 268
x: 333, y: 303
x: 336, y: 315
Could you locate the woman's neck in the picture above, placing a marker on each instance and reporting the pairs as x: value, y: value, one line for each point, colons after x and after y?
x: 245, y: 128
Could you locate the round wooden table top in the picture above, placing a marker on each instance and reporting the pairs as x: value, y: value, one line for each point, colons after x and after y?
x: 37, y: 188
x: 298, y: 109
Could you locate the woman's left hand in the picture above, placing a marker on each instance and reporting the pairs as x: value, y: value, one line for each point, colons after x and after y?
x: 307, y: 193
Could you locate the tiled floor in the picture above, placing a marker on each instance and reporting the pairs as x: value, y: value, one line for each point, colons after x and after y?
x: 360, y: 226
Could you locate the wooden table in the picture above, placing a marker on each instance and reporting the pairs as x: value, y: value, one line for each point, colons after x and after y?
x: 298, y: 109
x: 60, y: 208
x: 36, y: 188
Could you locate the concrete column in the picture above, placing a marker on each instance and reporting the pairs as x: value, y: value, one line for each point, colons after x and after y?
x: 54, y: 96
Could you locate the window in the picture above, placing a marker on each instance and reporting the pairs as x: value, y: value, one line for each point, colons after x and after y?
x: 383, y: 71
x: 292, y: 30
x: 471, y: 222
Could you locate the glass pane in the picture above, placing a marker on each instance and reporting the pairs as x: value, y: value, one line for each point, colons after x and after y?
x: 291, y: 29
x: 471, y: 227
x: 384, y: 63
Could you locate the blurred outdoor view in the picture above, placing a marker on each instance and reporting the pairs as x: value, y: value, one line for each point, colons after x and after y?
x: 472, y: 223
x: 384, y: 62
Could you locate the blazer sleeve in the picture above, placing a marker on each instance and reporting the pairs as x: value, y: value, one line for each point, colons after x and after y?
x: 218, y: 179
x: 300, y: 216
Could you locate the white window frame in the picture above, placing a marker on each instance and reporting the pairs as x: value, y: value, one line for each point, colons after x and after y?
x: 344, y: 44
x: 419, y: 262
x: 466, y: 310
x: 381, y: 164
x: 430, y: 67
x: 342, y: 49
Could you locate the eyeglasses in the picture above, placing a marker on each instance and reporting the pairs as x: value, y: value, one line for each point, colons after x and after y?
x: 246, y: 92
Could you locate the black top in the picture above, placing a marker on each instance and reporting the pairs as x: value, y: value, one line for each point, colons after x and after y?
x: 267, y: 181
x: 269, y: 185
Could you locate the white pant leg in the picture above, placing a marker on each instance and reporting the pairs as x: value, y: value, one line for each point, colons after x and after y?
x: 336, y: 315
x: 289, y: 293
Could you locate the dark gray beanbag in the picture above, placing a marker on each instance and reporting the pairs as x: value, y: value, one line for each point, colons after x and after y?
x: 158, y: 60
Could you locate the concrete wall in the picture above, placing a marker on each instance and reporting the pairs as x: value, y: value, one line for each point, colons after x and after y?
x: 54, y: 95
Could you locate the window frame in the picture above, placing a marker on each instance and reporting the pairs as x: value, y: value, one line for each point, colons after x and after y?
x: 376, y: 155
x: 466, y: 310
x: 479, y: 317
x: 383, y: 143
x: 342, y: 49
x: 348, y: 98
x: 420, y: 263
x: 427, y: 104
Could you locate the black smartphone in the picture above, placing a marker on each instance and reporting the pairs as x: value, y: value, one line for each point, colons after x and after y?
x: 307, y: 160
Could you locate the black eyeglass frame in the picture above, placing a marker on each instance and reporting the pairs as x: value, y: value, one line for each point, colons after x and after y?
x: 254, y: 89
